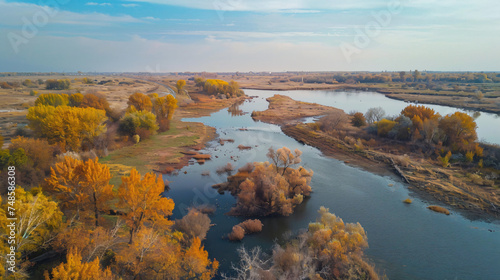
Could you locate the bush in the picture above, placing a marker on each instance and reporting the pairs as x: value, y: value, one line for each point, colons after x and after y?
x: 237, y: 234
x: 358, y: 119
x: 384, y: 127
x: 439, y: 209
x: 57, y: 84
x: 138, y: 122
x: 194, y: 224
x: 136, y: 138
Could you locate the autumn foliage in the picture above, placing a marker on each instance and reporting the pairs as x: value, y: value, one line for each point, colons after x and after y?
x: 140, y: 101
x: 75, y: 269
x: 246, y: 227
x: 330, y: 249
x: 270, y: 188
x: 142, y: 201
x: 68, y: 127
x: 81, y: 186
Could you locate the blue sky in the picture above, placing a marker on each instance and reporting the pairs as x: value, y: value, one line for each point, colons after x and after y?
x: 243, y: 35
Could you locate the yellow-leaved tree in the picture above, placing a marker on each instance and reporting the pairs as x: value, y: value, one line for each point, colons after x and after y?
x: 67, y: 126
x: 140, y: 101
x: 75, y: 269
x: 164, y: 108
x: 141, y: 199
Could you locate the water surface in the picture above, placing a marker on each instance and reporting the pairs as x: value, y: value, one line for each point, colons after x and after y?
x: 406, y: 241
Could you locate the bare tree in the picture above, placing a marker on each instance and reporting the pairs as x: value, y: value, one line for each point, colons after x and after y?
x: 374, y: 114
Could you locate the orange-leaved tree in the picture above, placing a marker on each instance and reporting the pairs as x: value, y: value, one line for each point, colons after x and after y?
x: 81, y: 186
x: 141, y: 199
x: 140, y: 101
x: 75, y: 269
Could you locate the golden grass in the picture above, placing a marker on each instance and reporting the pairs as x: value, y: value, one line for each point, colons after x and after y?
x: 439, y: 209
x: 407, y: 201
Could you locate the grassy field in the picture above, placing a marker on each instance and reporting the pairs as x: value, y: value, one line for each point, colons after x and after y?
x: 159, y: 150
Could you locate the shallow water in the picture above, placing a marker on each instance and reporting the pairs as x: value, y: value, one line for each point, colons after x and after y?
x: 406, y: 241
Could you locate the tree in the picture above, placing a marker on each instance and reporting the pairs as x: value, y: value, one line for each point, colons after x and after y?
x: 374, y: 114
x: 330, y: 249
x: 179, y: 85
x: 384, y: 127
x: 142, y: 201
x: 164, y: 108
x: 138, y: 122
x: 459, y: 130
x: 75, y: 269
x: 38, y: 218
x: 284, y: 158
x: 358, y: 119
x: 418, y: 114
x: 39, y: 151
x: 197, y: 264
x: 140, y: 101
x: 66, y: 126
x: 264, y: 188
x: 194, y: 224
x: 76, y: 99
x: 333, y: 121
x: 402, y: 75
x: 160, y: 256
x: 416, y: 76
x: 91, y: 243
x: 52, y: 99
x: 57, y: 84
x: 95, y: 101
x: 81, y: 186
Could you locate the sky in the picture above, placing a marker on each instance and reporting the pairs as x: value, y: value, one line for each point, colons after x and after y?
x: 249, y: 35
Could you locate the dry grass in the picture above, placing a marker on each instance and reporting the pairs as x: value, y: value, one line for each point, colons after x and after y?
x: 407, y: 201
x: 439, y: 209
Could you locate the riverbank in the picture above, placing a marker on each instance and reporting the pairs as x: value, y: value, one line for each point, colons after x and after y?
x: 454, y: 186
x: 489, y: 103
x: 171, y: 150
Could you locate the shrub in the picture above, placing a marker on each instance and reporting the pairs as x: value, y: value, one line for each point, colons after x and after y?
x: 384, y: 127
x: 439, y: 209
x: 358, y: 119
x: 57, y: 84
x: 136, y: 138
x: 407, y: 201
x: 138, y: 122
x: 237, y: 234
x: 252, y: 226
x: 194, y: 224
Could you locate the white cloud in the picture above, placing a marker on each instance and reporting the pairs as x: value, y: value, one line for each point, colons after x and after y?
x: 15, y: 14
x: 131, y: 5
x: 97, y: 4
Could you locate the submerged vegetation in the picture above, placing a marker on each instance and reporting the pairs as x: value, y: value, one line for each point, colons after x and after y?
x: 264, y: 188
x: 329, y: 249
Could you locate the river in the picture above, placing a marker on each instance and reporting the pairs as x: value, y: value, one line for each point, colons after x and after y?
x: 406, y: 241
